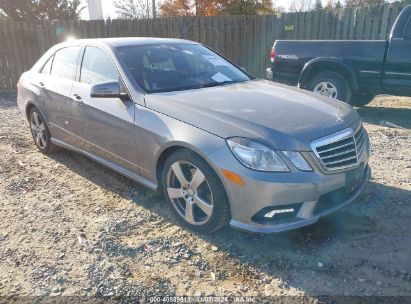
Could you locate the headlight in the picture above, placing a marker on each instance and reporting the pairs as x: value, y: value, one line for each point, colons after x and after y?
x: 255, y: 155
x: 298, y: 160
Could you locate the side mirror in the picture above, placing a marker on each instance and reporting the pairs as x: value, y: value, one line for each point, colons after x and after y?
x: 106, y: 90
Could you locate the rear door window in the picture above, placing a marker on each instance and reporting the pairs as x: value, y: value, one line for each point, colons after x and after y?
x: 97, y: 67
x: 65, y: 62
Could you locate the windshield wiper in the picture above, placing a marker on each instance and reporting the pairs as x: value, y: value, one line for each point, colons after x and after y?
x: 193, y: 87
x: 215, y: 84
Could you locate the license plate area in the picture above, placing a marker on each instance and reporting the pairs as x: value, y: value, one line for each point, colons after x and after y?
x: 354, y: 178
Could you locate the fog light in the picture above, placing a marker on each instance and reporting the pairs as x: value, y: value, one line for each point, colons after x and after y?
x: 278, y: 211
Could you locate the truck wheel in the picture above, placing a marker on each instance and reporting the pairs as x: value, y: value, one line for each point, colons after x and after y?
x: 330, y: 84
x: 361, y: 99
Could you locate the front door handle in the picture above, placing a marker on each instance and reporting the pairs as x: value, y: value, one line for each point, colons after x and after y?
x: 77, y: 98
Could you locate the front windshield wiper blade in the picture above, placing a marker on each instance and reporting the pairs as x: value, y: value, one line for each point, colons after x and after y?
x: 194, y: 87
x: 215, y: 84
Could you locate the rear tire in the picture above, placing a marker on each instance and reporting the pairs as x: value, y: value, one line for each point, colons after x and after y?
x: 330, y: 84
x: 40, y: 132
x: 194, y: 192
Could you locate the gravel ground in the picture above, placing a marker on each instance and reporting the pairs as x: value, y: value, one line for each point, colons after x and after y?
x: 69, y: 226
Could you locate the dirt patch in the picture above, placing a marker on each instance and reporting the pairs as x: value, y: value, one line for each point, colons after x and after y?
x: 70, y: 226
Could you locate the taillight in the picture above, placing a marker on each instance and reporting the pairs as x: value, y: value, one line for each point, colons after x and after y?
x: 272, y: 55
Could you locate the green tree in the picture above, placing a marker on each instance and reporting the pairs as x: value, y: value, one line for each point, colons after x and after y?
x: 41, y: 9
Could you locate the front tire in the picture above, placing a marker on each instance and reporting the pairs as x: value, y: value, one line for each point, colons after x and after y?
x: 330, y: 84
x: 40, y: 132
x: 194, y: 192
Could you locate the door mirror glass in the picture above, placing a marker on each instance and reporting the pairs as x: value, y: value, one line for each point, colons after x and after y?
x: 106, y: 90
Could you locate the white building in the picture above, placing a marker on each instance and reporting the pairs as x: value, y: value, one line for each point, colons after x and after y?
x: 95, y: 9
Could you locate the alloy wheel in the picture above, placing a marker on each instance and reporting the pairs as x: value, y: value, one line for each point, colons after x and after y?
x: 38, y: 130
x: 326, y: 88
x: 189, y: 192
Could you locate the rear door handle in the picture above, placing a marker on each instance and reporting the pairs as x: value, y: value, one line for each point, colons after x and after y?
x: 41, y: 85
x: 77, y: 98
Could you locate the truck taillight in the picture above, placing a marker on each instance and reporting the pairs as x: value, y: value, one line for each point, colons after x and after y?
x: 272, y: 55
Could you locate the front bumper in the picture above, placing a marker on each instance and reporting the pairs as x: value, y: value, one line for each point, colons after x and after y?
x: 310, y: 207
x: 311, y: 194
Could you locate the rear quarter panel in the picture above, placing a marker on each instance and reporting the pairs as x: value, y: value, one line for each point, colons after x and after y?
x: 29, y: 94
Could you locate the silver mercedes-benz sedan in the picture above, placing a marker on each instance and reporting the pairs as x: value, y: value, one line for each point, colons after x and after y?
x: 222, y: 146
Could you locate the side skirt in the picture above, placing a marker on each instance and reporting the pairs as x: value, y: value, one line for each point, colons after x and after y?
x: 137, y: 178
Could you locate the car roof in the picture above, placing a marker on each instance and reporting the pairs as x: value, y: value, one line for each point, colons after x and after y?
x: 127, y: 41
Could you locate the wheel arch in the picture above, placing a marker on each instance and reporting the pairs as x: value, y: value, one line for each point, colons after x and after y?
x: 162, y: 157
x: 320, y: 64
x: 173, y: 147
x: 29, y: 105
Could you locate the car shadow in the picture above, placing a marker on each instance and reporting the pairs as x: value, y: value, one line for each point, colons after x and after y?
x: 387, y: 117
x: 335, y: 245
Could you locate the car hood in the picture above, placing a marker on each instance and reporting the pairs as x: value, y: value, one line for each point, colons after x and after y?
x: 278, y: 115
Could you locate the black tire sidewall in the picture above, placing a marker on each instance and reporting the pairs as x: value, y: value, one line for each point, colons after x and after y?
x: 221, y: 210
x: 49, y: 146
x: 341, y: 84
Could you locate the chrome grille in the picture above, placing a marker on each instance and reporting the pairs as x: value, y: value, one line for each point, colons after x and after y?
x: 341, y: 150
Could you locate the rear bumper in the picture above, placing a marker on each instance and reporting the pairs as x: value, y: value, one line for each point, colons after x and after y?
x: 269, y: 75
x: 290, y: 78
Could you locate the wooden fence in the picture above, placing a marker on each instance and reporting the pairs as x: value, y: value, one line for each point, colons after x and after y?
x: 246, y: 40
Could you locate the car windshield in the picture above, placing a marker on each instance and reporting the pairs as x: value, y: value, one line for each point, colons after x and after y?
x: 178, y: 66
